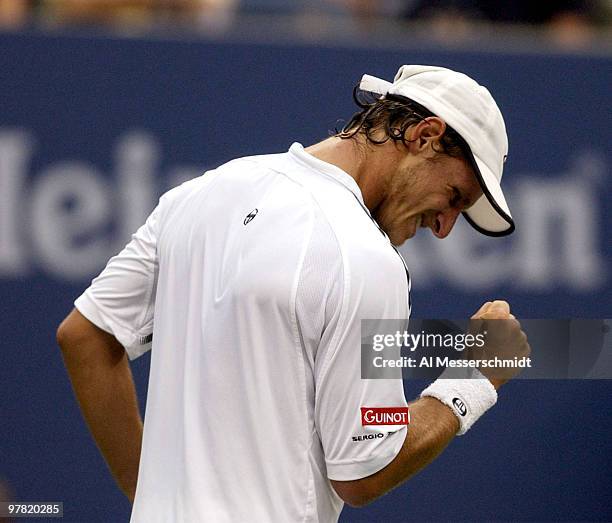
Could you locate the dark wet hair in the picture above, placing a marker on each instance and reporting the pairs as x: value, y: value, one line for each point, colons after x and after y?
x: 394, y: 115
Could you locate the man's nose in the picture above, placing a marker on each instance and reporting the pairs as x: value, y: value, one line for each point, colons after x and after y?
x: 444, y: 222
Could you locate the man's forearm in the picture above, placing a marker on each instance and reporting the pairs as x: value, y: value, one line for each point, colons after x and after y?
x: 432, y: 427
x: 103, y: 384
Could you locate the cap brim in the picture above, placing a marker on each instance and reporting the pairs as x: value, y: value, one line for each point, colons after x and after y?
x: 490, y: 214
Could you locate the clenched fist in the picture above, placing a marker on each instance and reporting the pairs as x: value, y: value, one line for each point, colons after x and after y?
x: 504, y: 339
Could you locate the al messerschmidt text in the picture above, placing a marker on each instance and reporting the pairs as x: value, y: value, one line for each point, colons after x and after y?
x: 439, y: 361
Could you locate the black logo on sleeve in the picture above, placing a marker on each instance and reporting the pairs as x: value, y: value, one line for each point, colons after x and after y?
x: 143, y: 340
x: 460, y: 406
x: 366, y: 437
x: 250, y: 216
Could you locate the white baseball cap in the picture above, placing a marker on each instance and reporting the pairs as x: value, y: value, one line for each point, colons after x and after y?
x: 470, y: 110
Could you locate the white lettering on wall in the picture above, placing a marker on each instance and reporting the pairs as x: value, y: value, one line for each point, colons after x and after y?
x: 136, y: 156
x: 70, y: 218
x: 561, y: 229
x: 15, y: 149
x: 71, y: 204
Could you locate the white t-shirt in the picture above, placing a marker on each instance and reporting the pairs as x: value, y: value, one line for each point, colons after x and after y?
x: 251, y: 282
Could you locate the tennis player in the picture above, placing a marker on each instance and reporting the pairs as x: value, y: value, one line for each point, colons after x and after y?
x: 250, y: 283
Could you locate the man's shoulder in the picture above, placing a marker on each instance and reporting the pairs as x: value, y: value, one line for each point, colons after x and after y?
x: 239, y: 175
x: 291, y: 194
x: 279, y: 162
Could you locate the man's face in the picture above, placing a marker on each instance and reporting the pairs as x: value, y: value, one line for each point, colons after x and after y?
x: 427, y: 190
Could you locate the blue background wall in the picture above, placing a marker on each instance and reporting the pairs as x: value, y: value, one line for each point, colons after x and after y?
x: 92, y: 130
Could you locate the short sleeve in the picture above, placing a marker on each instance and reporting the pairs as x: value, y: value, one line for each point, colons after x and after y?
x: 332, y: 307
x: 121, y: 300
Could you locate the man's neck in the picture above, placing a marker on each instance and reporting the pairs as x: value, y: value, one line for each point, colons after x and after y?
x: 366, y: 165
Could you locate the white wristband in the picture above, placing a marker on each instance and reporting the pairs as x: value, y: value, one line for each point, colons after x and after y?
x: 466, y: 392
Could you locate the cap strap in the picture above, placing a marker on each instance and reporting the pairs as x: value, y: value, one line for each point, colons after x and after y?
x: 372, y: 84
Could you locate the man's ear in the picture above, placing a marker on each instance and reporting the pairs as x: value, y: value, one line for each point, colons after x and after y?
x: 427, y: 132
